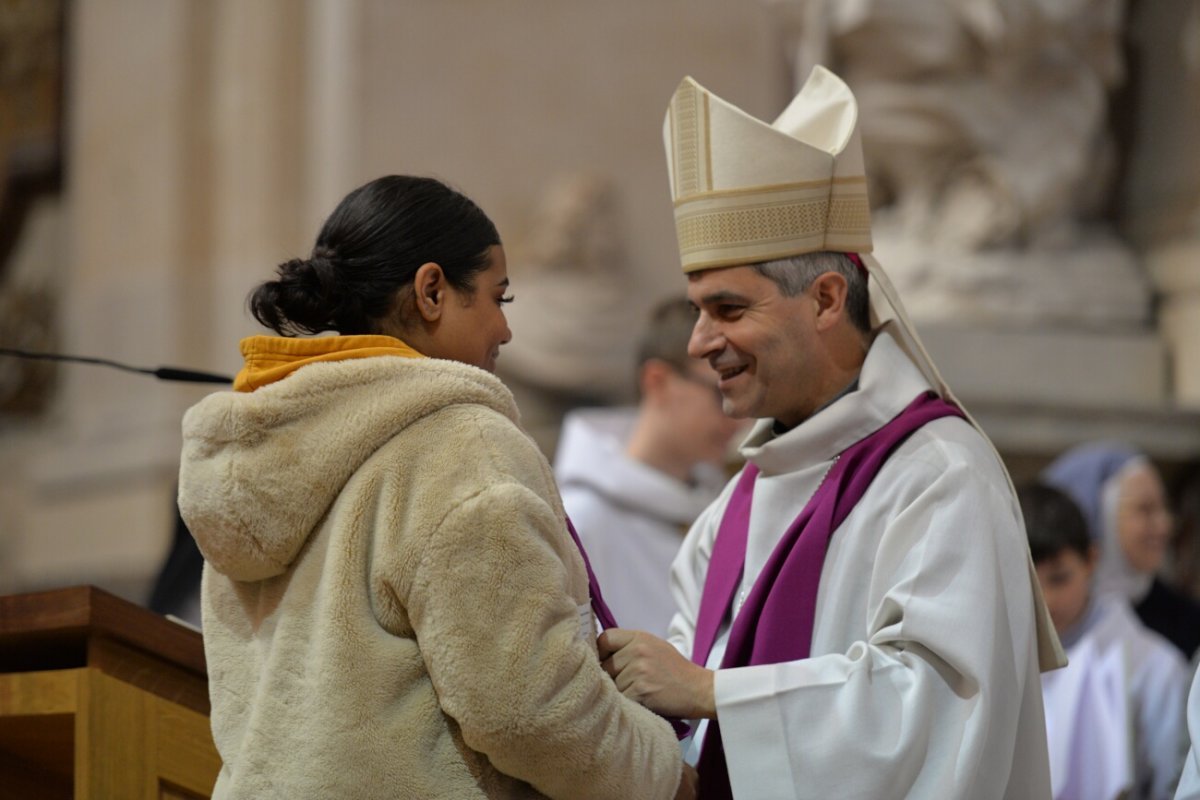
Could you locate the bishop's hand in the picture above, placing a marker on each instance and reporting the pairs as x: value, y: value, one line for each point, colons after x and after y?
x: 651, y: 672
x: 689, y: 784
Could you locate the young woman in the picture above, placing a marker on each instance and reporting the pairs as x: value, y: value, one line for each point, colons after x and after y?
x: 392, y: 604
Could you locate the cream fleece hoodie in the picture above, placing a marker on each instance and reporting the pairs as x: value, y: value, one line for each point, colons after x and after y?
x: 392, y: 606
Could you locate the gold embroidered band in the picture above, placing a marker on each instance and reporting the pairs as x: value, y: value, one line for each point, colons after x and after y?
x: 764, y: 223
x: 689, y: 121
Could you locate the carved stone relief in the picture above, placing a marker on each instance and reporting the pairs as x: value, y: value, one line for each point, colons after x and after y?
x: 26, y: 317
x: 572, y: 314
x: 576, y: 309
x: 985, y: 127
x: 31, y: 74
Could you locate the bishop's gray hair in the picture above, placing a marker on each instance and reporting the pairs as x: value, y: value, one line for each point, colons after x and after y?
x: 795, y: 274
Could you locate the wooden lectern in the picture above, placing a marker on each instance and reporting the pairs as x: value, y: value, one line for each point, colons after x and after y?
x: 101, y: 699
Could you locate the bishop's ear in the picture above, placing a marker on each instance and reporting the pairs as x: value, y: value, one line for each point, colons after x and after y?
x: 429, y: 287
x: 829, y: 290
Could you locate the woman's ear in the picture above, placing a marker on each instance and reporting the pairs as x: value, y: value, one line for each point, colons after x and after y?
x: 429, y: 288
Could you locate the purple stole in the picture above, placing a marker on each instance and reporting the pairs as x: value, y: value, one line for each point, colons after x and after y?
x: 606, y: 618
x: 599, y: 607
x: 775, y: 624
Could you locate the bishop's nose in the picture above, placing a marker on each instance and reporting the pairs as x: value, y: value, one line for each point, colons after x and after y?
x: 704, y: 341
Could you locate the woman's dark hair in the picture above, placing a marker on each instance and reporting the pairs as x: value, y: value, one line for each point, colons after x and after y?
x: 1053, y: 522
x: 369, y: 250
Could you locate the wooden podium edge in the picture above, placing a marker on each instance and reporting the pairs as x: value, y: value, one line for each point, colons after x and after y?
x: 86, y: 626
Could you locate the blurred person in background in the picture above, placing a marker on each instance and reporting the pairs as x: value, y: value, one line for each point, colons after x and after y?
x: 1123, y: 499
x: 633, y: 480
x: 1184, y: 562
x: 1189, y: 782
x: 1114, y: 715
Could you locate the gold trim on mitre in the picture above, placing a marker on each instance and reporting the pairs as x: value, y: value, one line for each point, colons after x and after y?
x: 746, y: 192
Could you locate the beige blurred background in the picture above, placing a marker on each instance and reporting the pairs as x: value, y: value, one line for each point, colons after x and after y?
x: 159, y: 157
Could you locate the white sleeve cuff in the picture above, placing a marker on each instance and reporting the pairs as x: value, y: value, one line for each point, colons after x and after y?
x: 753, y: 734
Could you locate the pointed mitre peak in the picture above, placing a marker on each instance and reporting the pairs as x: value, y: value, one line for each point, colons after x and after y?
x: 748, y: 191
x: 824, y: 115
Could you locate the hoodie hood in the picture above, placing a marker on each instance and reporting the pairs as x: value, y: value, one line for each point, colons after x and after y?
x: 259, y: 470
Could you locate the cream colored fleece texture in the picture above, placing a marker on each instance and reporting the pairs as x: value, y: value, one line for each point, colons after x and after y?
x: 390, y: 599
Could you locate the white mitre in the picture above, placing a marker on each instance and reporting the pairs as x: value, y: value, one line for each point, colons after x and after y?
x: 747, y: 192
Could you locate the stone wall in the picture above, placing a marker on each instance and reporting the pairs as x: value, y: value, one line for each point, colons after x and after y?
x: 207, y: 139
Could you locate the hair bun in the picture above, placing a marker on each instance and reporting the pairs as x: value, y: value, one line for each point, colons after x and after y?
x: 305, y: 298
x: 368, y: 252
x: 315, y: 274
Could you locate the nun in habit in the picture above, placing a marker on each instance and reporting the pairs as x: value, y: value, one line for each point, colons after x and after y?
x: 1124, y: 502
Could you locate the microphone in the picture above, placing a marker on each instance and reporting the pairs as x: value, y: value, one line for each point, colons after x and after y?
x: 162, y: 373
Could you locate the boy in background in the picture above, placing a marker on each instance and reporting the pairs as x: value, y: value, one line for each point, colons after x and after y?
x: 634, y: 479
x: 1114, y: 715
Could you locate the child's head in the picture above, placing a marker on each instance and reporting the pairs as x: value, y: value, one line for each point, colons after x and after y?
x: 1122, y: 498
x: 1063, y: 553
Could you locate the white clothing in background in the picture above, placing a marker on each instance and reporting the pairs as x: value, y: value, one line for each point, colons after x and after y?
x: 1114, y: 715
x: 1189, y: 783
x: 630, y: 517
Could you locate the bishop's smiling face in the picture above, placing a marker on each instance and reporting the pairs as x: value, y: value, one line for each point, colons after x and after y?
x: 760, y: 341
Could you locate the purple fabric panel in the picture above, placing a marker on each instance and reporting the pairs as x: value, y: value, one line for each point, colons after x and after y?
x: 725, y: 565
x: 782, y: 604
x: 776, y: 622
x: 605, y: 617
